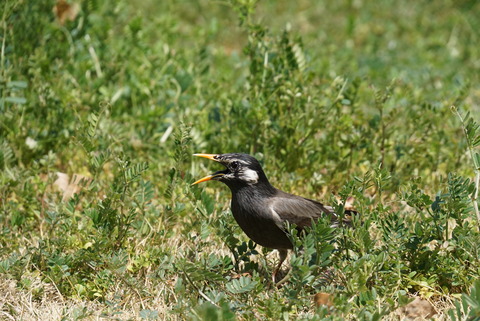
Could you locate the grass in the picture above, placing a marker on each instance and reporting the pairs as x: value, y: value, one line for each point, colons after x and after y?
x: 100, y: 114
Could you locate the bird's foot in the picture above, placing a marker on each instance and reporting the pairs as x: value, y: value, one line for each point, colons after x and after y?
x: 282, y: 280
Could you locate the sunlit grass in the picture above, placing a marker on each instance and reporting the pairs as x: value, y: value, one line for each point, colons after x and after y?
x: 335, y: 99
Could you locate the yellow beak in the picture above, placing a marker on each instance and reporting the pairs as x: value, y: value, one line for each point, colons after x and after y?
x: 209, y: 156
x: 209, y: 177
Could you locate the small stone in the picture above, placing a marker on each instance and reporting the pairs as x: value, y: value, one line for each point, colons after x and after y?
x: 325, y: 299
x: 418, y: 308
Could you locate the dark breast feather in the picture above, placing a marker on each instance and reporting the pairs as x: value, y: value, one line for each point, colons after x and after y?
x: 257, y: 221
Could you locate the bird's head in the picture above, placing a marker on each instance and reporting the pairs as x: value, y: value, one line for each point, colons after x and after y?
x: 240, y: 170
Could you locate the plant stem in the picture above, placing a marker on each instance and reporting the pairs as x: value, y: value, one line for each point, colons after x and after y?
x: 475, y: 195
x: 476, y: 170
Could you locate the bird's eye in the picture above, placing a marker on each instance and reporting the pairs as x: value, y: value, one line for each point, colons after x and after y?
x: 234, y: 165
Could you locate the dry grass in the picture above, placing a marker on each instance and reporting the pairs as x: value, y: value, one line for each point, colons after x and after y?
x: 43, y: 302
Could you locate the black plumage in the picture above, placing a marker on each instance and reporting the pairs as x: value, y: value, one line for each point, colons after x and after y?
x: 260, y: 209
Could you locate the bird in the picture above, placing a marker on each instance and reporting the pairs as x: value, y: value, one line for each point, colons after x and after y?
x: 261, y: 210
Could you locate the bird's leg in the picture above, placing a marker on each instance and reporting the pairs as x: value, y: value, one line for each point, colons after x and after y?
x: 283, y: 255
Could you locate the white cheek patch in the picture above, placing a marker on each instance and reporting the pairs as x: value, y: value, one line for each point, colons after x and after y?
x: 249, y: 176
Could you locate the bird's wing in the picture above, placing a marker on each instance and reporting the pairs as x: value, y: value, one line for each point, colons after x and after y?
x: 298, y: 210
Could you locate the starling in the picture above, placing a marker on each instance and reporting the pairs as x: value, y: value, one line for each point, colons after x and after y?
x: 260, y: 209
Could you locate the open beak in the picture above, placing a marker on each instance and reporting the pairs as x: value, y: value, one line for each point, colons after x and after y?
x: 209, y: 177
x: 212, y: 176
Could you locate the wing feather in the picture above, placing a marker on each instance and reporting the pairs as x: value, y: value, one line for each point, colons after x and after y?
x: 298, y: 210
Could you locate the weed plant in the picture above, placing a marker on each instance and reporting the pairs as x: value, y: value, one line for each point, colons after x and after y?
x: 375, y: 101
